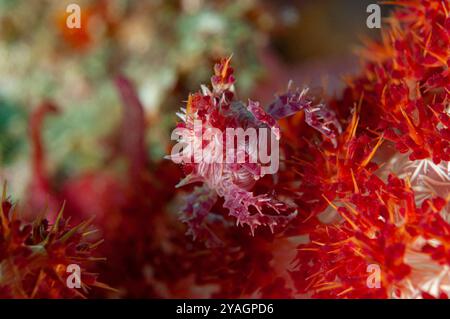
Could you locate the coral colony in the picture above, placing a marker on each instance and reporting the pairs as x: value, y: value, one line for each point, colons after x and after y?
x: 35, y: 256
x: 308, y: 197
x: 234, y: 179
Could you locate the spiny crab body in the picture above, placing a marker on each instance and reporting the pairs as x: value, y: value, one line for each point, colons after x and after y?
x: 232, y: 179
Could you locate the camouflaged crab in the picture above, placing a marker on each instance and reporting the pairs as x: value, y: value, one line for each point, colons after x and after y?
x: 233, y: 181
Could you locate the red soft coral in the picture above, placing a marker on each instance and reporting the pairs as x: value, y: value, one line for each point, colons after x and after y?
x: 405, y: 85
x: 379, y: 225
x: 34, y: 257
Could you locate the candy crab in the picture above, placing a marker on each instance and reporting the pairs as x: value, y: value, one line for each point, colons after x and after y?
x: 218, y: 110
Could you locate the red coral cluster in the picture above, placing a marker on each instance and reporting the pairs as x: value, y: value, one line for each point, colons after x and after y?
x: 401, y: 99
x: 350, y: 220
x: 35, y: 257
x: 382, y: 226
x: 406, y: 81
